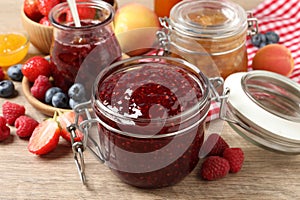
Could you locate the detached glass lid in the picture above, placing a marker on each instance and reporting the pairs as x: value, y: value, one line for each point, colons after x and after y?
x: 264, y: 108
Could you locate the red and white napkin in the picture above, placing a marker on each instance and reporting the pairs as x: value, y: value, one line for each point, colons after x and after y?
x: 282, y: 17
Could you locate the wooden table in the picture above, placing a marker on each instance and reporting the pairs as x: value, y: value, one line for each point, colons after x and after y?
x: 265, y: 175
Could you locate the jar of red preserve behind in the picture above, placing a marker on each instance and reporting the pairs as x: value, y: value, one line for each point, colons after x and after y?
x: 78, y: 53
x: 150, y: 114
x: 203, y: 31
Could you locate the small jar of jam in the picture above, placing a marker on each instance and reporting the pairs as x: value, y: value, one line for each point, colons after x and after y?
x: 210, y: 34
x: 150, y: 127
x: 79, y: 53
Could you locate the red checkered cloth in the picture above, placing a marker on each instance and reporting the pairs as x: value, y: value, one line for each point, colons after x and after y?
x: 283, y: 17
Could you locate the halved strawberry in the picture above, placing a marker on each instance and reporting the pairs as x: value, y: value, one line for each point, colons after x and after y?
x: 45, y: 137
x: 65, y: 119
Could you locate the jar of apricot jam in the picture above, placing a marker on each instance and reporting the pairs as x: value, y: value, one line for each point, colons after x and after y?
x: 210, y: 34
x: 78, y: 53
x: 150, y: 113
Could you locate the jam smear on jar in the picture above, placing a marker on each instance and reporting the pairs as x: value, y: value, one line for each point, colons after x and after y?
x: 154, y: 136
x: 78, y: 56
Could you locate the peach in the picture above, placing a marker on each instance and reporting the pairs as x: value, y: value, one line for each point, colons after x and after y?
x: 135, y: 27
x: 275, y: 58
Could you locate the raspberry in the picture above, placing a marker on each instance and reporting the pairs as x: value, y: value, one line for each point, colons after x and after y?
x: 214, y: 167
x: 235, y: 157
x: 36, y: 66
x: 11, y: 111
x: 40, y: 87
x: 214, y: 146
x: 25, y: 126
x: 2, y: 75
x: 4, y: 130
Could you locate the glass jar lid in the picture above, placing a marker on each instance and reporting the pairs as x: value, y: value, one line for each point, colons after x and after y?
x: 264, y: 107
x: 208, y: 18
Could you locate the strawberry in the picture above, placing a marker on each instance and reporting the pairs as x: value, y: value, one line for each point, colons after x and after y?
x: 45, y: 137
x: 25, y: 126
x: 40, y: 87
x: 31, y: 10
x: 45, y: 21
x: 11, y: 111
x: 4, y: 130
x: 65, y: 119
x: 2, y: 75
x: 214, y: 167
x: 214, y: 145
x: 36, y: 66
x: 83, y: 13
x: 235, y: 157
x: 45, y: 6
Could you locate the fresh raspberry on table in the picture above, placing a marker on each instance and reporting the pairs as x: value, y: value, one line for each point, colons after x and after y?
x: 214, y: 167
x: 4, y: 130
x: 11, y: 111
x: 25, y: 126
x: 235, y: 157
x: 36, y: 66
x: 214, y: 146
x: 40, y: 87
x: 2, y: 75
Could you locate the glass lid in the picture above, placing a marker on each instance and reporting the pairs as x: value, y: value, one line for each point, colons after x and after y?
x: 264, y: 107
x: 208, y: 18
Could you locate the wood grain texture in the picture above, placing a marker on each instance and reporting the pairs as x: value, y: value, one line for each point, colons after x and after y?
x: 265, y: 175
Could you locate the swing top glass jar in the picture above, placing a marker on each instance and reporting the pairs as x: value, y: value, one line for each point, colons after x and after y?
x: 210, y: 34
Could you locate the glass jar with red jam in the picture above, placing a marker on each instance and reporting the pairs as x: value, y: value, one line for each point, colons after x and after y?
x: 79, y: 53
x: 150, y: 113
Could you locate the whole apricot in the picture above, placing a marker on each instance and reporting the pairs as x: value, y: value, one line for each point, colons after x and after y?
x: 135, y: 27
x: 275, y: 58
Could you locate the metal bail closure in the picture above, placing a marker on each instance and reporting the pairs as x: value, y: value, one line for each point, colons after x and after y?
x: 252, y: 24
x: 163, y: 35
x: 264, y: 108
x: 83, y: 111
x: 78, y: 149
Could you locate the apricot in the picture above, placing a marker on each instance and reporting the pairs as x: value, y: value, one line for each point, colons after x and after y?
x: 135, y: 27
x: 275, y: 58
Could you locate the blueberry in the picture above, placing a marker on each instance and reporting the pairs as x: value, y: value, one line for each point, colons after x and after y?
x: 73, y: 103
x: 272, y: 37
x: 77, y: 92
x: 15, y: 72
x: 258, y: 39
x: 60, y: 100
x: 50, y: 92
x: 7, y: 88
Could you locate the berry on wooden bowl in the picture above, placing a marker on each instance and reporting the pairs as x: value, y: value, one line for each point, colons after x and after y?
x: 40, y: 35
x: 37, y: 104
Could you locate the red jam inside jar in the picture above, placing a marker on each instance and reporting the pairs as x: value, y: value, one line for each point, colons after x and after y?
x: 151, y: 114
x: 79, y: 53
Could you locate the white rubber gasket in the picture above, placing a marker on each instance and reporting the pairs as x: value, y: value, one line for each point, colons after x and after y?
x: 256, y: 114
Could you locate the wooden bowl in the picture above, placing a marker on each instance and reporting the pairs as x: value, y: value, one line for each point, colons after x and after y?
x: 40, y: 106
x: 41, y: 35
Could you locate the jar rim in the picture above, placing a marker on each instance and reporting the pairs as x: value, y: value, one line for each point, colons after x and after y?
x: 235, y: 19
x: 189, y: 113
x: 99, y: 5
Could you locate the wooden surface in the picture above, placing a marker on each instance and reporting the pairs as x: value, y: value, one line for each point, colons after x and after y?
x: 265, y: 175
